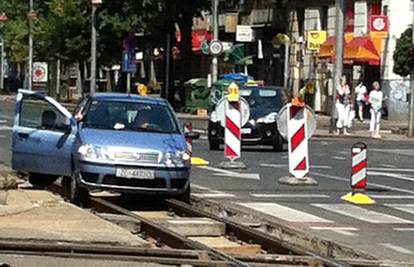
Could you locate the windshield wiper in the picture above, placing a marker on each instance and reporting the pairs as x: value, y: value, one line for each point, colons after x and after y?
x: 144, y: 129
x: 97, y: 126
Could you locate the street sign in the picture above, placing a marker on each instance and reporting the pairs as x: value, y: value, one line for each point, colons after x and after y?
x: 282, y: 121
x: 315, y: 39
x: 244, y: 33
x: 40, y: 72
x: 221, y: 111
x: 215, y: 48
x: 378, y: 26
x: 129, y: 64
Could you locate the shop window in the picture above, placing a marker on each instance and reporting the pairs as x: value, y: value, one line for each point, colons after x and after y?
x: 350, y: 17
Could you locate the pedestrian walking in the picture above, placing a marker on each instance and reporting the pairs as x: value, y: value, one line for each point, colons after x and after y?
x: 361, y: 93
x: 343, y: 106
x: 375, y: 100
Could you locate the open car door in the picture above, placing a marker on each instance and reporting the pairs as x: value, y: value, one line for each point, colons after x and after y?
x: 43, y: 135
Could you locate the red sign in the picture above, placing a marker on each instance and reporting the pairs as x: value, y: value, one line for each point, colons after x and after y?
x: 378, y: 24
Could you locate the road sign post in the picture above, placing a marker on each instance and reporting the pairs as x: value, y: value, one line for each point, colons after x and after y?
x: 232, y: 132
x: 359, y: 176
x: 297, y: 134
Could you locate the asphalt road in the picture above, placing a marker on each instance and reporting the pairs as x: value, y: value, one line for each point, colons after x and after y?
x: 385, y: 229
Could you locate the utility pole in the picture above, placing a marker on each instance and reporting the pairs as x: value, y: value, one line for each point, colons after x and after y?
x: 411, y: 116
x: 3, y: 19
x: 214, y: 63
x: 339, y: 56
x: 30, y: 16
x: 93, y: 53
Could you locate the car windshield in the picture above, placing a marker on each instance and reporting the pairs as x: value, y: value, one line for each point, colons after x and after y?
x: 130, y: 116
x: 262, y: 98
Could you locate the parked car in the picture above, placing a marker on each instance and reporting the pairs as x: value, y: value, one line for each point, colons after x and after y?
x: 261, y: 127
x: 117, y: 142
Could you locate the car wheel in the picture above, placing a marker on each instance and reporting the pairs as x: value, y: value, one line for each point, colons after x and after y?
x: 77, y: 195
x: 186, y: 196
x: 41, y: 180
x: 214, y: 146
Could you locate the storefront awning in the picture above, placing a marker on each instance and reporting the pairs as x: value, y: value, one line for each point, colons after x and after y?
x: 362, y: 50
x: 327, y: 49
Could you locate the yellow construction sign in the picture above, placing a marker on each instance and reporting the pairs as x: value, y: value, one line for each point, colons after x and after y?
x: 234, y: 92
x: 315, y: 39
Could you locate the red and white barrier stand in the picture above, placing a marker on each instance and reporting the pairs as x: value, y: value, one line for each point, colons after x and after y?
x: 359, y: 176
x: 297, y: 134
x: 232, y: 132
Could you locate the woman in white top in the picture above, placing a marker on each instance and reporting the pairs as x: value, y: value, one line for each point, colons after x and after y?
x: 360, y: 92
x: 375, y: 99
x: 343, y: 101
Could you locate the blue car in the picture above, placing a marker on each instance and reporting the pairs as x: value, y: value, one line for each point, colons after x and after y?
x: 116, y: 142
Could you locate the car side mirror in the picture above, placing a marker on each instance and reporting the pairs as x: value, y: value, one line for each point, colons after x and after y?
x: 192, y: 135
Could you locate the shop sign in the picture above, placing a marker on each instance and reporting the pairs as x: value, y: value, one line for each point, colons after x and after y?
x: 244, y: 33
x: 378, y: 26
x: 315, y: 39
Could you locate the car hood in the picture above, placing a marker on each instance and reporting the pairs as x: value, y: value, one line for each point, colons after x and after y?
x: 140, y: 140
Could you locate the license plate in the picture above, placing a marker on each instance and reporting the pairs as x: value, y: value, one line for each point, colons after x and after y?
x: 246, y: 131
x: 135, y: 173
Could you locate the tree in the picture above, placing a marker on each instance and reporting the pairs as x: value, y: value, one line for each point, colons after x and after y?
x: 403, y: 54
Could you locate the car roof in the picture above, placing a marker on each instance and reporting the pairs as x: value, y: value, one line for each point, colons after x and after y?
x: 129, y: 97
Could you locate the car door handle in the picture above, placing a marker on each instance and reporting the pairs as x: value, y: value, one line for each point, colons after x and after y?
x: 24, y: 135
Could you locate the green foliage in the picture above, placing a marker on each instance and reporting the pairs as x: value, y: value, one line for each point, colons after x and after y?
x: 403, y: 56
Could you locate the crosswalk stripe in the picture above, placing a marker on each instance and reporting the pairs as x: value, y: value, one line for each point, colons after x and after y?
x: 397, y: 248
x: 284, y: 213
x: 401, y: 229
x: 289, y: 196
x: 361, y: 213
x: 340, y: 230
x: 409, y: 208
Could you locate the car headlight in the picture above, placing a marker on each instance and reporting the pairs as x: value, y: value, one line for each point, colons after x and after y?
x: 214, y: 117
x: 177, y: 159
x: 94, y: 152
x: 269, y: 118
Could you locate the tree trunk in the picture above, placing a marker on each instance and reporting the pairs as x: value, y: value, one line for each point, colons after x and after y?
x: 186, y: 48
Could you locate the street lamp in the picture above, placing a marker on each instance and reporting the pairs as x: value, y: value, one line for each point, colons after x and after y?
x: 95, y: 4
x: 3, y: 19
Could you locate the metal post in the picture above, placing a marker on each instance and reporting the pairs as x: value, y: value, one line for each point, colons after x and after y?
x: 286, y: 68
x: 30, y: 69
x: 2, y: 60
x: 167, y: 67
x: 411, y: 116
x: 214, y: 63
x: 128, y: 86
x: 339, y: 56
x: 92, y: 87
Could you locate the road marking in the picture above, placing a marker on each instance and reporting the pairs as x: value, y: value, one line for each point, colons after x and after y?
x: 404, y: 152
x: 403, y: 229
x: 226, y: 173
x: 392, y: 196
x: 339, y: 230
x: 289, y: 196
x: 391, y: 175
x: 391, y: 169
x: 388, y: 166
x: 333, y: 177
x: 213, y: 195
x: 397, y: 248
x: 339, y: 158
x: 284, y: 213
x: 210, y: 192
x: 361, y: 213
x: 409, y: 208
x: 287, y: 165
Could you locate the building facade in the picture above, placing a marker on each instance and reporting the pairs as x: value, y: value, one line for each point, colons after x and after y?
x: 368, y: 54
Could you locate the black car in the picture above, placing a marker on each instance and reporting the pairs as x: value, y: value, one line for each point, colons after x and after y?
x: 261, y: 128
